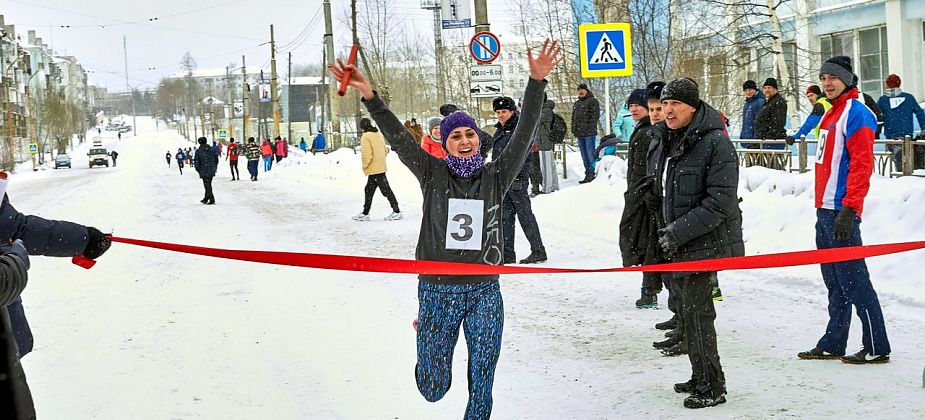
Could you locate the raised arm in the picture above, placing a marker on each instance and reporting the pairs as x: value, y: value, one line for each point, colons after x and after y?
x: 515, y: 154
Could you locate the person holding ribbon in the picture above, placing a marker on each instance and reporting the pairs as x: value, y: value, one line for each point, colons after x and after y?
x: 461, y: 223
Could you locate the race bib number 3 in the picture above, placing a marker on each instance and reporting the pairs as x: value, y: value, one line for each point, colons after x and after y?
x: 464, y: 224
x: 820, y: 146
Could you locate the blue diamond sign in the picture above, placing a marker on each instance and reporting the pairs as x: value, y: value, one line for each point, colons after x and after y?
x: 605, y: 50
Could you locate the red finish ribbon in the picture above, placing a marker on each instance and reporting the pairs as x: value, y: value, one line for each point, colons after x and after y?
x: 391, y: 265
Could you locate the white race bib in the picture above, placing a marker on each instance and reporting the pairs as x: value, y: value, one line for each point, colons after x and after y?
x: 464, y: 224
x: 820, y: 146
x: 895, y: 102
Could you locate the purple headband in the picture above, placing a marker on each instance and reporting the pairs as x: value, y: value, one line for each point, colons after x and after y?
x: 454, y: 121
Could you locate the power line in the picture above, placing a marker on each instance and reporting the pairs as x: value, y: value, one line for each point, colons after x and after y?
x: 119, y: 22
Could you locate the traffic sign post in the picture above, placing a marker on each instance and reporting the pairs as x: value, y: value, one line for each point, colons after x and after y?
x: 33, y: 148
x: 485, y: 47
x: 605, y: 50
x: 222, y: 134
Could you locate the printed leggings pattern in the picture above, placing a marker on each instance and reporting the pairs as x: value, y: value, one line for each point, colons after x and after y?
x: 480, y: 310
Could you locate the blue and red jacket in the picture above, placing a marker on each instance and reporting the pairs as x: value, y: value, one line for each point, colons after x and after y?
x: 845, y: 154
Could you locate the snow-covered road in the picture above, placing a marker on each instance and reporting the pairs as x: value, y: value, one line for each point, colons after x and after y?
x: 149, y: 334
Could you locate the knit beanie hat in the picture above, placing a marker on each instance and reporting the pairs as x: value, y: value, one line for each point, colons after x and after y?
x: 638, y: 97
x: 202, y: 140
x: 447, y: 109
x: 814, y: 89
x: 431, y: 123
x: 583, y: 86
x: 454, y: 121
x: 749, y: 84
x: 504, y: 102
x: 366, y: 125
x: 683, y: 90
x: 654, y: 90
x: 893, y: 81
x: 840, y: 67
x: 772, y: 82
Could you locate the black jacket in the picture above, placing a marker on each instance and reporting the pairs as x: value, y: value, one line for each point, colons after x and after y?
x: 769, y: 124
x: 500, y: 141
x: 700, y: 201
x: 439, y: 184
x: 15, y: 397
x: 638, y: 148
x: 206, y: 161
x: 51, y: 238
x: 543, y: 129
x: 585, y: 114
x: 640, y: 222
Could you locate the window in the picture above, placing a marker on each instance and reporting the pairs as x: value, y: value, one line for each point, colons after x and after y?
x: 837, y: 44
x: 790, y: 57
x: 874, y: 60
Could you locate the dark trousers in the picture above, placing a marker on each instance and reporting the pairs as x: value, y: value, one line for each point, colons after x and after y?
x: 180, y: 165
x: 252, y: 168
x: 849, y: 284
x: 696, y: 317
x: 586, y: 146
x: 278, y: 158
x: 207, y: 183
x: 234, y: 169
x: 651, y: 283
x: 382, y: 183
x: 21, y: 330
x: 516, y: 206
x: 536, y: 174
x: 674, y: 295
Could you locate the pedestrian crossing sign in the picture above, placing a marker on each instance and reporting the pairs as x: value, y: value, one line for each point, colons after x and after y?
x: 605, y: 50
x: 33, y: 148
x: 222, y: 134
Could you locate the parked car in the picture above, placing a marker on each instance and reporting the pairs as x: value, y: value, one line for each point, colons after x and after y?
x: 62, y: 160
x: 125, y: 129
x: 98, y: 157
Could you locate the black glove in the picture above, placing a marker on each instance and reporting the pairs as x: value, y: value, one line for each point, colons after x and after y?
x: 16, y: 248
x: 789, y: 140
x: 98, y: 244
x: 652, y: 202
x: 667, y: 242
x: 844, y: 224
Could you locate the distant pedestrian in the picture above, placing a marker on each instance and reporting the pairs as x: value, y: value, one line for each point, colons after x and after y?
x: 898, y: 108
x: 181, y: 158
x: 754, y: 100
x: 303, y: 145
x: 114, y: 155
x: 319, y: 144
x: 585, y: 115
x: 431, y: 143
x: 373, y: 152
x: 772, y: 118
x: 545, y: 160
x: 253, y: 154
x: 206, y: 165
x: 168, y: 158
x: 266, y: 150
x: 119, y: 135
x: 281, y: 149
x: 234, y: 150
x: 811, y: 125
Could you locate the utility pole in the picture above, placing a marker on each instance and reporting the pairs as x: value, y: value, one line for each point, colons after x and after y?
x: 435, y: 6
x: 129, y: 88
x: 211, y: 113
x: 329, y: 50
x: 229, y: 84
x: 273, y: 84
x: 324, y: 88
x: 289, y: 100
x: 245, y: 98
x: 481, y: 25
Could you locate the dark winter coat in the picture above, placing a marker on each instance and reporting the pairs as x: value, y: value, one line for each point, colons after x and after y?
x: 638, y: 148
x: 872, y: 104
x: 897, y: 121
x: 51, y: 238
x: 500, y: 141
x: 771, y: 119
x: 585, y: 115
x: 206, y: 161
x: 700, y: 201
x: 439, y: 184
x: 181, y: 157
x: 749, y: 112
x: 543, y: 130
x: 640, y: 223
x: 15, y: 397
x: 319, y: 143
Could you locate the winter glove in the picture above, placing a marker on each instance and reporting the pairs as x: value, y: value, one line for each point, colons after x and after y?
x: 652, y: 202
x: 668, y: 242
x: 98, y: 244
x: 844, y: 224
x: 789, y: 140
x: 16, y: 248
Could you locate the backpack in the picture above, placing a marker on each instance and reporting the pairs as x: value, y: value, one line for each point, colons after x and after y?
x: 558, y: 129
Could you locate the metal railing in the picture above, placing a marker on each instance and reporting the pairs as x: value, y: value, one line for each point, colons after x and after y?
x: 783, y: 159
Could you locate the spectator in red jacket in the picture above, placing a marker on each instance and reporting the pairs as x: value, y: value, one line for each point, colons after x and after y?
x: 431, y: 143
x: 281, y: 149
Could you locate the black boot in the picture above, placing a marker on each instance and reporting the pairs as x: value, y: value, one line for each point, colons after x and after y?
x: 673, y: 333
x: 668, y: 325
x: 697, y: 400
x: 684, y: 387
x: 664, y: 344
x: 204, y: 200
x: 534, y: 257
x: 676, y: 350
x: 648, y: 300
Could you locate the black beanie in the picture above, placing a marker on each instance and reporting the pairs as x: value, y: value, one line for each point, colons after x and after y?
x: 814, y: 89
x: 367, y: 126
x: 202, y: 140
x: 772, y: 82
x: 638, y: 97
x: 749, y: 84
x: 840, y: 67
x: 684, y: 90
x: 654, y: 90
x: 447, y: 109
x: 503, y: 102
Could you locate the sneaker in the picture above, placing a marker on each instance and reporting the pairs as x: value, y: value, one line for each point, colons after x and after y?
x: 717, y: 296
x: 647, y: 301
x: 684, y: 387
x: 664, y: 344
x: 394, y: 216
x: 863, y: 357
x: 361, y: 217
x: 535, y: 257
x: 703, y: 401
x: 676, y: 350
x: 668, y: 325
x: 817, y: 354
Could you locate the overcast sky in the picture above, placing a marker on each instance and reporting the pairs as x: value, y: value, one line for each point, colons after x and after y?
x: 216, y: 32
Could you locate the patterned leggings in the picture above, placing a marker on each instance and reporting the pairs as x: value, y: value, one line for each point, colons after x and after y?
x: 479, y: 308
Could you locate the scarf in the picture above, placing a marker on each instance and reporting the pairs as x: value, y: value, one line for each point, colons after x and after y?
x: 465, y: 167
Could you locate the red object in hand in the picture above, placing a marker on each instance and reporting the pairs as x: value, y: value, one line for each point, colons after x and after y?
x: 83, y: 262
x: 342, y: 90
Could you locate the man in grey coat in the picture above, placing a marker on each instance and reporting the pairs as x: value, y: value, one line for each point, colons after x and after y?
x: 549, y: 178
